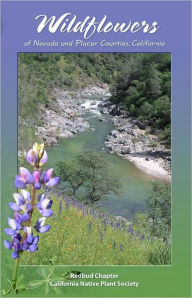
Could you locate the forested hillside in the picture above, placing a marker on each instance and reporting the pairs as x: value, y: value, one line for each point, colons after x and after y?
x: 139, y: 82
x: 39, y: 73
x: 143, y: 88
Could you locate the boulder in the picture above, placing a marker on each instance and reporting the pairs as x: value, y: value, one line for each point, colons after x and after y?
x: 104, y: 103
x: 104, y: 111
x: 114, y: 133
x: 142, y: 124
x: 125, y: 150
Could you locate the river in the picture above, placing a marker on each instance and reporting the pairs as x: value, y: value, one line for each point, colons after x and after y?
x: 135, y: 184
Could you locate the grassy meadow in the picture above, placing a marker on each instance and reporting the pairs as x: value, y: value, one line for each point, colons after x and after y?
x: 81, y: 235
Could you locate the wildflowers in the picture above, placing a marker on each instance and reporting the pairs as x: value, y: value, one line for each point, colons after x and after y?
x: 130, y: 230
x: 21, y: 230
x: 121, y: 247
x: 114, y: 245
x: 142, y: 237
x: 71, y: 243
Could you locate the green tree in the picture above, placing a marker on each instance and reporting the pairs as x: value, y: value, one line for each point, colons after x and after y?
x: 91, y: 171
x: 71, y: 172
x: 143, y: 88
x: 159, y: 211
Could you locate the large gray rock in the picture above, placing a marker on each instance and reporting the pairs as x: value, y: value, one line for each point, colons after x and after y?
x: 114, y: 133
x: 105, y: 103
x: 125, y: 150
x: 104, y: 111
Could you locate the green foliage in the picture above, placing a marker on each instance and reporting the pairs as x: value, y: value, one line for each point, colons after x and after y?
x: 159, y: 211
x: 40, y: 73
x: 91, y: 171
x: 160, y: 255
x: 73, y: 241
x: 144, y: 88
x: 166, y: 134
x: 153, y: 144
x: 14, y: 287
x: 71, y: 172
x: 139, y: 82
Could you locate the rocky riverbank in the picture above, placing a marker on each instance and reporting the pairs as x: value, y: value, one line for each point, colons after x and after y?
x: 62, y: 118
x: 133, y: 141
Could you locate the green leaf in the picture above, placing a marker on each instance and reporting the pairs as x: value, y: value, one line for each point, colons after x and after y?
x: 10, y: 283
x: 53, y: 260
x: 6, y: 291
x: 43, y: 273
x: 46, y: 289
x: 19, y: 280
x: 35, y: 283
x: 20, y: 290
x: 57, y: 290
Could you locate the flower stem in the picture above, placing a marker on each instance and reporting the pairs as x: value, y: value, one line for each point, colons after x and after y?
x: 31, y: 213
x: 15, y: 271
x: 33, y: 204
x: 16, y: 266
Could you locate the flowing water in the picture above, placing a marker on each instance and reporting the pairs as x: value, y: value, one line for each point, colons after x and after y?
x: 135, y: 184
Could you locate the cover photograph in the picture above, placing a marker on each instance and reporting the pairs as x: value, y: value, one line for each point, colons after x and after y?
x: 96, y: 149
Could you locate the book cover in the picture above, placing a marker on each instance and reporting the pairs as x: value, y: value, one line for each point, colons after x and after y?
x: 96, y: 148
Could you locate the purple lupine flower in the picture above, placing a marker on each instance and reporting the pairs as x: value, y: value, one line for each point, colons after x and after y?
x: 28, y: 230
x: 40, y: 227
x: 19, y: 237
x: 48, y: 180
x: 32, y: 157
x: 44, y: 205
x: 37, y: 179
x: 37, y: 156
x: 118, y: 224
x: 8, y: 244
x: 22, y: 202
x: 25, y: 245
x: 121, y: 247
x: 23, y: 208
x: 15, y: 245
x: 24, y: 179
x: 112, y: 224
x: 33, y: 247
x: 67, y: 205
x: 105, y: 221
x: 30, y: 243
x: 21, y: 217
x: 142, y: 237
x: 15, y: 255
x: 60, y: 206
x: 15, y: 227
x: 26, y: 195
x: 130, y: 230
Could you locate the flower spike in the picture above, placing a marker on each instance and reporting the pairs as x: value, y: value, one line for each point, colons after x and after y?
x: 20, y: 229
